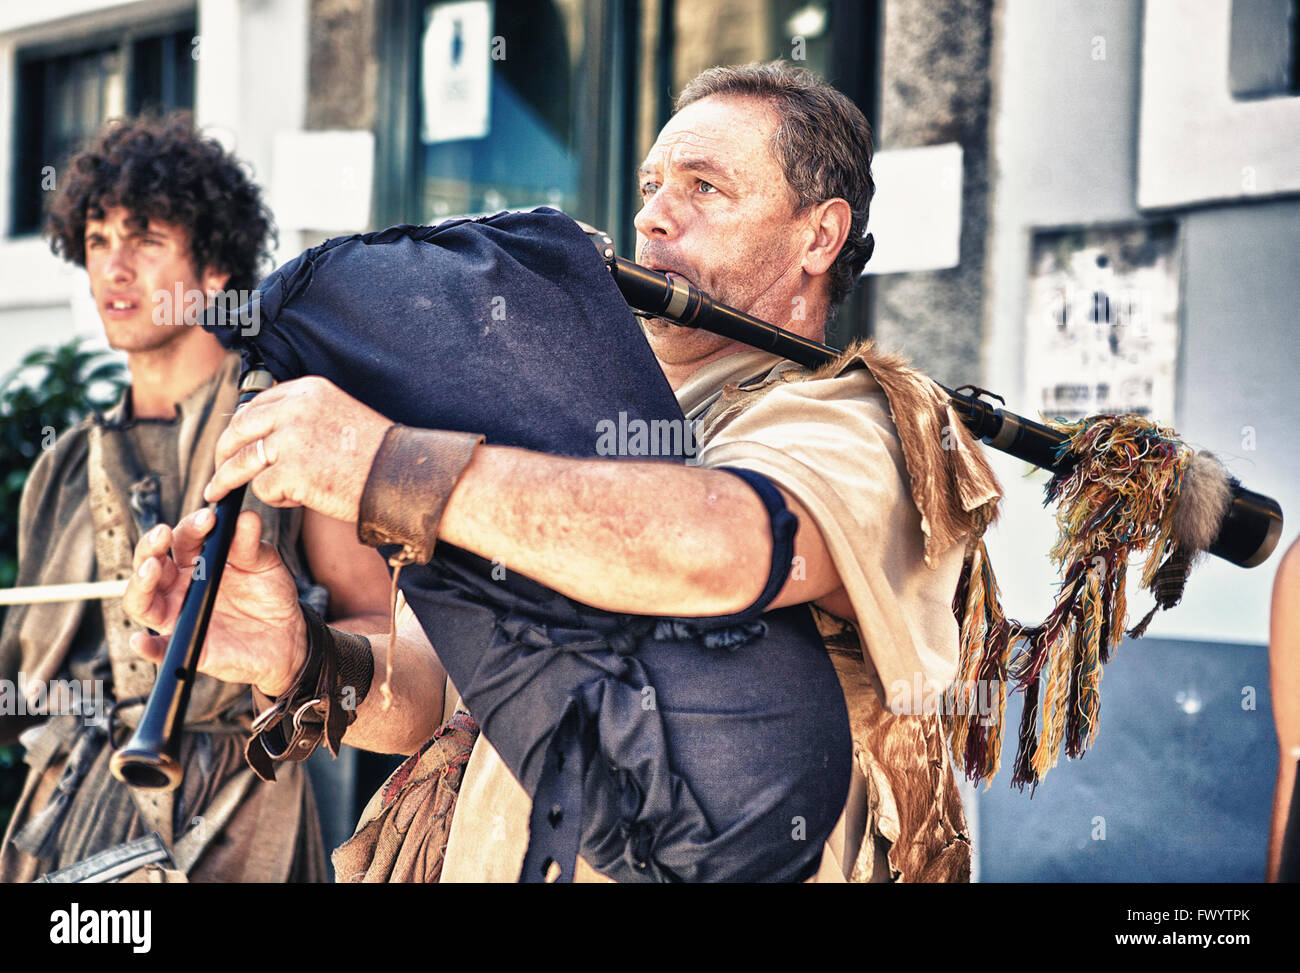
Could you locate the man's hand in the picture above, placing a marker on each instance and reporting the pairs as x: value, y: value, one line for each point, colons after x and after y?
x: 257, y: 633
x: 317, y: 446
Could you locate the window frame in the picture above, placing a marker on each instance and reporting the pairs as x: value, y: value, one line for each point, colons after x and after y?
x: 123, y: 37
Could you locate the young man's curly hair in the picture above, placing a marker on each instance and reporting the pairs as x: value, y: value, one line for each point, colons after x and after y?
x: 164, y: 169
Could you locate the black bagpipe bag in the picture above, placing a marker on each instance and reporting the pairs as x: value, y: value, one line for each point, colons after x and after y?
x: 661, y: 749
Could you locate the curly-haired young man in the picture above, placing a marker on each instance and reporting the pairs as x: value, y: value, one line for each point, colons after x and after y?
x: 163, y: 220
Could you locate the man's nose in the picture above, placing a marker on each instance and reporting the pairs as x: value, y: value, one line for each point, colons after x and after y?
x: 657, y: 218
x: 119, y: 268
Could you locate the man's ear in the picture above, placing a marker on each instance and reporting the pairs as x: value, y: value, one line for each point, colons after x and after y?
x: 213, y: 281
x: 829, y: 223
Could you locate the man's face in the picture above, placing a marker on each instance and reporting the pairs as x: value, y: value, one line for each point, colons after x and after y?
x: 719, y: 213
x: 133, y: 277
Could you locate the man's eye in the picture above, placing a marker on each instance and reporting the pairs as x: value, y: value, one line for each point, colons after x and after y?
x: 707, y: 187
x: 151, y: 241
x: 648, y: 189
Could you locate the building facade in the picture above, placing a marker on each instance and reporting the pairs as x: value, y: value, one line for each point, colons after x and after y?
x: 1079, y: 203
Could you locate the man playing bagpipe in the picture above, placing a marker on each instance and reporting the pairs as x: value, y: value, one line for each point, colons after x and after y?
x: 642, y: 656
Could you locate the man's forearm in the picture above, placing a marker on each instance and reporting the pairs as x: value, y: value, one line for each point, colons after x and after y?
x: 644, y: 537
x: 651, y: 538
x: 371, y: 625
x: 418, y: 686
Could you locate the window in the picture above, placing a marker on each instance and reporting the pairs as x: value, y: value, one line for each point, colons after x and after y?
x: 497, y: 106
x: 65, y: 94
x: 494, y: 105
x: 508, y: 104
x: 1263, y: 47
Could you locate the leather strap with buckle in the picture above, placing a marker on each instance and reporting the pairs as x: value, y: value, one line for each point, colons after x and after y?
x: 321, y: 704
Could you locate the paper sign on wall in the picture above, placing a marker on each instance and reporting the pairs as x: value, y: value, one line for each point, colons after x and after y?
x: 456, y: 71
x: 1103, y: 321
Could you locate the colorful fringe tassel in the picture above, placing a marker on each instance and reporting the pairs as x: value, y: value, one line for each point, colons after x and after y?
x: 1118, y: 500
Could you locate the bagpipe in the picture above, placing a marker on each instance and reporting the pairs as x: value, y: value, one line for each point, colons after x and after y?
x: 516, y: 327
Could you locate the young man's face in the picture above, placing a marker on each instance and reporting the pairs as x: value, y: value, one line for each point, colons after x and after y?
x: 134, y: 274
x: 719, y: 213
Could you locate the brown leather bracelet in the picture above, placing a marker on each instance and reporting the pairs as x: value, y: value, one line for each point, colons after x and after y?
x: 320, y: 704
x: 406, y: 492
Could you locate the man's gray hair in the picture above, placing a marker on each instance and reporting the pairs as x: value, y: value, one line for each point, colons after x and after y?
x: 822, y: 141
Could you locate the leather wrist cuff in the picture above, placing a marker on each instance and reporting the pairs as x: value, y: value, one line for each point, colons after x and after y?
x: 321, y: 704
x: 410, y: 480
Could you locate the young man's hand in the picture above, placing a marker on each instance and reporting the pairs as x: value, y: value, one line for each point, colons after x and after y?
x: 257, y: 633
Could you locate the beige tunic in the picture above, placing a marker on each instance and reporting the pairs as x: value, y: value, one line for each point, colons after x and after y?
x: 831, y: 444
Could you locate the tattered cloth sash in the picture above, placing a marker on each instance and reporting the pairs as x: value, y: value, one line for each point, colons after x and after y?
x: 911, y: 799
x: 402, y: 834
x: 85, y: 508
